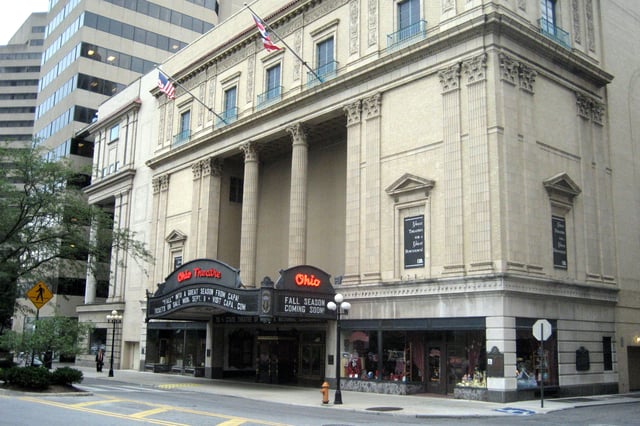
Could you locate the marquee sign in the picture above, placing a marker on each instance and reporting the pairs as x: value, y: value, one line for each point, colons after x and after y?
x: 205, y: 287
x: 304, y: 292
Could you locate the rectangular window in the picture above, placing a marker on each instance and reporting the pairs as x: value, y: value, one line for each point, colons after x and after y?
x: 230, y: 110
x: 114, y: 133
x: 325, y: 58
x: 548, y: 11
x: 185, y: 121
x: 559, y: 237
x: 408, y: 13
x: 607, y: 353
x: 273, y: 82
x: 235, y: 190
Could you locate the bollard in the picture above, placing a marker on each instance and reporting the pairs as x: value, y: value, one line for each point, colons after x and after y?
x: 325, y: 393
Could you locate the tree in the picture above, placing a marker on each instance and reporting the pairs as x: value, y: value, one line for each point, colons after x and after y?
x: 60, y: 335
x: 45, y: 222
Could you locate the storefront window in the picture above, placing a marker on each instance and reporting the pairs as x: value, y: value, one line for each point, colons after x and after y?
x: 181, y: 347
x: 532, y: 365
x: 97, y: 340
x: 360, y: 355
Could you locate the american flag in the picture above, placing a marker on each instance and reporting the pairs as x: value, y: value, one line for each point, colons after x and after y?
x: 166, y: 86
x: 266, y: 41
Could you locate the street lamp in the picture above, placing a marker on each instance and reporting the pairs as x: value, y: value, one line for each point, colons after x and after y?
x: 114, y: 318
x: 338, y: 306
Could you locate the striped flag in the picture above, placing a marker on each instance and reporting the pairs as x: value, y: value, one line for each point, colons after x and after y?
x: 166, y: 86
x: 266, y: 41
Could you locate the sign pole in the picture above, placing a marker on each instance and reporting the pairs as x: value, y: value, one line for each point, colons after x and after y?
x: 542, y: 366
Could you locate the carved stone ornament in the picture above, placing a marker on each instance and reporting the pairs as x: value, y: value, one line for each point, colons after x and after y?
x: 298, y: 133
x: 372, y: 23
x: 250, y: 150
x: 508, y: 68
x: 160, y: 183
x: 353, y: 112
x: 196, y: 169
x: 371, y: 106
x: 450, y: 78
x: 354, y: 28
x: 527, y: 78
x: 475, y: 68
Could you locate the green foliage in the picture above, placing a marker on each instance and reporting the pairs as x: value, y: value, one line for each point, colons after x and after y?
x: 35, y: 378
x: 66, y: 376
x: 61, y: 335
x: 45, y: 223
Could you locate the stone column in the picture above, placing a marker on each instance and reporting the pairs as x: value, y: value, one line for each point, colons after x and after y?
x: 352, y: 190
x: 298, y: 196
x: 90, y: 283
x: 249, y: 228
x: 119, y: 256
x: 452, y: 183
x: 371, y: 229
x: 210, y: 217
x: 158, y: 219
x: 476, y: 182
x: 191, y: 251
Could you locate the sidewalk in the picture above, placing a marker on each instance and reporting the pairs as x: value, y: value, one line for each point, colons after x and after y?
x: 414, y: 406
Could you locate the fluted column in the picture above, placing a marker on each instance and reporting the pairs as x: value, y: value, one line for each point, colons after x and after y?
x: 118, y: 255
x: 371, y: 109
x: 476, y: 181
x: 452, y: 183
x: 194, y: 229
x: 158, y: 220
x: 210, y: 217
x: 298, y: 196
x: 249, y: 229
x: 352, y: 191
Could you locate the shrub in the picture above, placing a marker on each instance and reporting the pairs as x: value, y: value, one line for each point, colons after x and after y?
x: 66, y: 376
x: 28, y: 377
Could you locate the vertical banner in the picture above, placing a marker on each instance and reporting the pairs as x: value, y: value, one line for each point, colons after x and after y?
x: 559, y: 230
x: 414, y: 242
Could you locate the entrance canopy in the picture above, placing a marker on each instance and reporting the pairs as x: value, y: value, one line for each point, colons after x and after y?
x: 204, y: 288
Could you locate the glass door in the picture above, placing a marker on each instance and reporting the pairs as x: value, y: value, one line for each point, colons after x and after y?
x: 435, y: 380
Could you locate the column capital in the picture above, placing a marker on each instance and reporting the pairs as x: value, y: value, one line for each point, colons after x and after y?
x: 298, y: 132
x: 160, y: 183
x: 250, y: 150
x: 211, y: 167
x: 475, y: 68
x: 450, y: 78
x: 353, y: 112
x: 371, y: 106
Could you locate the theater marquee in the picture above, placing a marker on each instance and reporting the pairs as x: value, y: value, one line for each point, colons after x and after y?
x: 204, y: 288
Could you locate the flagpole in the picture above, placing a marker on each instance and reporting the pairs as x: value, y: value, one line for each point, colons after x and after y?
x: 285, y: 43
x: 194, y: 96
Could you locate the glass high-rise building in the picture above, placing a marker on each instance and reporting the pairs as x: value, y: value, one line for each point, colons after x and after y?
x: 95, y: 48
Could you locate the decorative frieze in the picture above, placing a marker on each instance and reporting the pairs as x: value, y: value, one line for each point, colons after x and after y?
x: 372, y: 23
x: 354, y: 27
x: 354, y: 113
x: 591, y: 38
x: 475, y: 69
x: 577, y: 30
x: 448, y: 5
x: 450, y: 78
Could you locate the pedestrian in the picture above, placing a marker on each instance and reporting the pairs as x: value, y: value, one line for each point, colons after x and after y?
x: 99, y: 360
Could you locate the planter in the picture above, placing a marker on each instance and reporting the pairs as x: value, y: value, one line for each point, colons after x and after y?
x: 470, y: 393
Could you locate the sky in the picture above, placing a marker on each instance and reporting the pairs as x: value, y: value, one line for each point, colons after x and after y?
x: 14, y: 13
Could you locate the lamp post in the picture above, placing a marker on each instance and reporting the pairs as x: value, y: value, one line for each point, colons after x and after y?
x: 338, y: 306
x: 114, y: 318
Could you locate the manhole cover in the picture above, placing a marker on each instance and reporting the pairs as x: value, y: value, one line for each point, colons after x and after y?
x: 384, y: 409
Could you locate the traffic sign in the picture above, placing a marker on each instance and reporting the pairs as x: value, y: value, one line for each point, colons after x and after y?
x: 39, y: 294
x: 541, y: 330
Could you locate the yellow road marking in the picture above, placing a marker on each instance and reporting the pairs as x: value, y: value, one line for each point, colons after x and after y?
x: 234, y: 422
x: 146, y: 413
x: 103, y: 401
x: 141, y: 416
x: 101, y: 412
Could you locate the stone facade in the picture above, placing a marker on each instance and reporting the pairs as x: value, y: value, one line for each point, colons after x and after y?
x: 488, y: 137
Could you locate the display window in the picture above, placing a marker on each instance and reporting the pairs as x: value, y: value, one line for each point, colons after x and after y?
x: 533, y: 362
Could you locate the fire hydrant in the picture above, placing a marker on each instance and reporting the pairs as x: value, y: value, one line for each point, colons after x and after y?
x: 325, y: 393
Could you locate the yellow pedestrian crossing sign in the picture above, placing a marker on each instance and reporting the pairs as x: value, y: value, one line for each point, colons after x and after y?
x: 39, y: 294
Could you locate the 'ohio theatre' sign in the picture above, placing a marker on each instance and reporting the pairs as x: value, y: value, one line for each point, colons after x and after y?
x: 207, y: 287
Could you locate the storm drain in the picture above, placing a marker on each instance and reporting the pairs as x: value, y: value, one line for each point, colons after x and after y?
x: 384, y: 409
